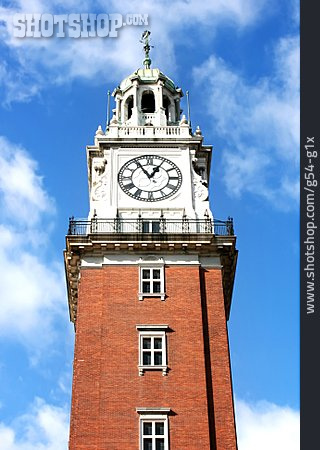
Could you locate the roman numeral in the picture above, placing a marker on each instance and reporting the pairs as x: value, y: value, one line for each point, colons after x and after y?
x: 150, y: 196
x: 150, y: 160
x: 137, y: 193
x: 174, y: 178
x: 129, y: 186
x: 171, y: 186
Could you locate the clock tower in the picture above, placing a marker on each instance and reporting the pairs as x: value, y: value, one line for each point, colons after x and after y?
x: 150, y: 276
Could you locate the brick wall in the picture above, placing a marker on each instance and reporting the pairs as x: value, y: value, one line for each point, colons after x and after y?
x: 107, y: 387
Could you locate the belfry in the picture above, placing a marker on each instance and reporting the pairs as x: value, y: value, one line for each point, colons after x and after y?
x: 150, y: 274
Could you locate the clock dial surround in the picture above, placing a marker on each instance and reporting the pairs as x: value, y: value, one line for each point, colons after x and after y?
x: 150, y: 178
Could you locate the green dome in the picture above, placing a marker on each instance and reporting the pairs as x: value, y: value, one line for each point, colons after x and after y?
x: 147, y: 76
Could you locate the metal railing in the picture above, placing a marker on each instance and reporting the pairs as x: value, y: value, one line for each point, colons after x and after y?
x: 82, y: 227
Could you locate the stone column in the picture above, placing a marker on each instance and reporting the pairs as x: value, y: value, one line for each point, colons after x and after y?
x: 177, y: 108
x: 117, y: 107
x: 135, y: 115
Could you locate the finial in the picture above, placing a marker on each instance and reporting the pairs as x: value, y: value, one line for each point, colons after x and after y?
x: 99, y: 131
x: 146, y: 47
x: 113, y: 120
x: 183, y: 120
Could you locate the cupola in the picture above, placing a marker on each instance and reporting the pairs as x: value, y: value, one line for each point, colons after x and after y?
x: 147, y: 97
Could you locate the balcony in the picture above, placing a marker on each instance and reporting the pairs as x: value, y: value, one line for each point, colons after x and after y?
x: 93, y: 240
x: 157, y: 227
x: 139, y: 132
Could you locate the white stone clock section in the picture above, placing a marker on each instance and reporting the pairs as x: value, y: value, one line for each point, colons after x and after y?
x: 149, y: 182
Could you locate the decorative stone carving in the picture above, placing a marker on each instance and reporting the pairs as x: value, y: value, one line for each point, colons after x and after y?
x: 99, y: 185
x: 200, y: 187
x: 99, y: 166
x: 72, y: 264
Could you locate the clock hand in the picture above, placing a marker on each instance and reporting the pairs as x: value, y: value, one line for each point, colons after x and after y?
x: 143, y: 170
x: 155, y: 170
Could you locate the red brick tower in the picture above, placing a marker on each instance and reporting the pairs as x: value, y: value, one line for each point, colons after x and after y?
x: 150, y: 276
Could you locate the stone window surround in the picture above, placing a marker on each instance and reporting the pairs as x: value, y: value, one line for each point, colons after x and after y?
x: 152, y: 264
x: 153, y: 331
x: 153, y: 414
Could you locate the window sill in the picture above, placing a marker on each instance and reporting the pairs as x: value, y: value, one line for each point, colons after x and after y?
x: 142, y: 295
x: 142, y: 369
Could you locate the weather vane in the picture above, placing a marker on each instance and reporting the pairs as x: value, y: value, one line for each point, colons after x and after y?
x: 146, y: 47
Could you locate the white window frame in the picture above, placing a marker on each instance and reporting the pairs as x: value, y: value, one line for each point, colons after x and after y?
x: 153, y: 415
x: 153, y: 331
x: 151, y: 267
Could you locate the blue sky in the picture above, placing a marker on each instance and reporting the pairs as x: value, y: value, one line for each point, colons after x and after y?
x: 240, y: 61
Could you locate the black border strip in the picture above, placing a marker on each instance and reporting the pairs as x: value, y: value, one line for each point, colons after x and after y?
x: 309, y: 220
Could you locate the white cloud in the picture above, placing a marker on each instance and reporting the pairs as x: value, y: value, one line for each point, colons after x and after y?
x: 266, y: 426
x: 32, y: 293
x: 44, y: 427
x: 38, y: 63
x: 260, y: 122
x: 18, y: 85
x: 296, y: 11
x: 65, y: 381
x: 21, y: 188
x: 178, y: 14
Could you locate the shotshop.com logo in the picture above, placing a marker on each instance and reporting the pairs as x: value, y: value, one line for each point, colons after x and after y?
x: 73, y: 25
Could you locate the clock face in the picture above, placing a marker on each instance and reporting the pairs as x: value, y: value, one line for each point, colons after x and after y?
x: 149, y: 178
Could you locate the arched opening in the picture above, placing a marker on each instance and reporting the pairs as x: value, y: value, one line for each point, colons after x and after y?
x: 148, y: 102
x: 129, y: 106
x: 166, y: 104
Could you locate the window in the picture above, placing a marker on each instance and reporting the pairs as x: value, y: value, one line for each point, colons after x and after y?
x: 150, y: 226
x: 128, y: 107
x: 154, y: 428
x: 148, y: 102
x: 151, y: 282
x: 166, y: 104
x: 152, y: 348
x: 153, y: 435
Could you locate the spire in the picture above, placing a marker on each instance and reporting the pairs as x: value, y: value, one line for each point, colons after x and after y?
x: 146, y: 47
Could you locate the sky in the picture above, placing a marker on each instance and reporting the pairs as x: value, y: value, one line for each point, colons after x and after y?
x: 239, y: 59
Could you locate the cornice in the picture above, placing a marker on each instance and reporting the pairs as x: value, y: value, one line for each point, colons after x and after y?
x: 78, y: 247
